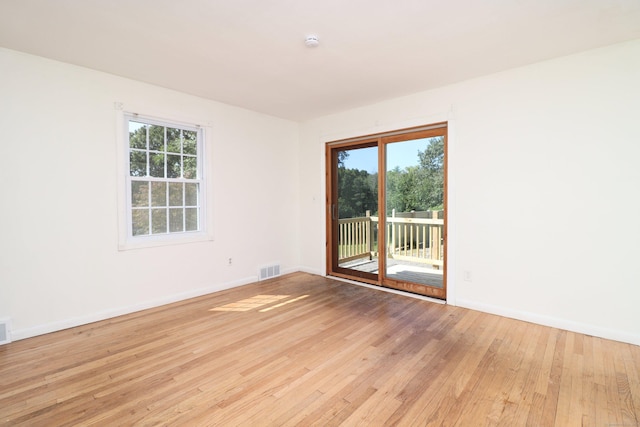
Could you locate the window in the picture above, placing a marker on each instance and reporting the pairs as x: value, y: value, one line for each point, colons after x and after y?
x: 164, y: 179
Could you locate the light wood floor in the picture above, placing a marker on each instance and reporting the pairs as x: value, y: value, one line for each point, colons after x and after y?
x: 306, y: 350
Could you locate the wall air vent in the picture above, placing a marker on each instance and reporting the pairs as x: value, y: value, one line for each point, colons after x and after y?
x: 5, y: 337
x: 269, y: 271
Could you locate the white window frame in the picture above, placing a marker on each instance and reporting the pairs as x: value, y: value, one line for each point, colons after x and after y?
x: 126, y: 238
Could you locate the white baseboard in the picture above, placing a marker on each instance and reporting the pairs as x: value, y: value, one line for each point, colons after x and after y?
x: 308, y: 270
x: 108, y: 314
x: 554, y: 322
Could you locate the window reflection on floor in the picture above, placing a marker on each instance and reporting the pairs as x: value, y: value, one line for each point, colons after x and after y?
x: 258, y: 301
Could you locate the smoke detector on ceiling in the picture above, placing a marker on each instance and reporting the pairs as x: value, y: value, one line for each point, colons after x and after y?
x: 311, y: 40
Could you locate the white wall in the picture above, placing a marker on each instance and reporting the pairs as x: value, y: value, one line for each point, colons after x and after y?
x: 543, y: 193
x: 59, y: 259
x: 544, y: 188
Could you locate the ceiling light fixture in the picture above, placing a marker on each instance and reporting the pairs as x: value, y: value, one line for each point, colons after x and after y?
x: 311, y: 40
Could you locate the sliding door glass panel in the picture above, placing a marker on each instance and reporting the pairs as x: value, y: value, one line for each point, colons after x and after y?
x: 414, y: 205
x: 355, y: 213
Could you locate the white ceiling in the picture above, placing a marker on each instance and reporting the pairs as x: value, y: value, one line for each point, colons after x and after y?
x: 251, y: 53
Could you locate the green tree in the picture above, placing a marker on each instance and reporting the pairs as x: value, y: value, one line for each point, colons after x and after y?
x: 432, y: 165
x: 356, y: 193
x: 342, y: 156
x: 420, y: 187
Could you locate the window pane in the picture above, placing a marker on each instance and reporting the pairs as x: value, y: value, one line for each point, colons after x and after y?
x: 158, y: 194
x: 190, y: 142
x: 175, y: 220
x: 173, y: 140
x: 156, y: 138
x: 139, y: 193
x: 191, y: 216
x: 190, y: 167
x: 191, y: 195
x: 156, y: 166
x: 140, y: 222
x: 175, y: 194
x: 138, y: 163
x: 159, y: 221
x: 159, y: 156
x: 173, y: 166
x: 137, y: 135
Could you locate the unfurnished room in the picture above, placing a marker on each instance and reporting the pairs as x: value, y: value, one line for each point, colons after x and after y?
x: 293, y: 213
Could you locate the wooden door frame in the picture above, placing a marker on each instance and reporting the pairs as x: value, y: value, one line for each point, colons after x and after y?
x: 381, y: 140
x: 409, y: 135
x: 331, y: 202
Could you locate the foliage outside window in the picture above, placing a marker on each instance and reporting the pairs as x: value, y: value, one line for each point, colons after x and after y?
x: 414, y: 188
x: 421, y: 187
x: 164, y: 179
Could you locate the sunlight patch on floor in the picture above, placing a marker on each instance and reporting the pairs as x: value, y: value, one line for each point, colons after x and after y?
x: 250, y: 303
x: 284, y: 303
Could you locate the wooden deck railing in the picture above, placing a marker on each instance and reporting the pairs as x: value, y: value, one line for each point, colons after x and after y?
x: 409, y: 239
x: 354, y: 237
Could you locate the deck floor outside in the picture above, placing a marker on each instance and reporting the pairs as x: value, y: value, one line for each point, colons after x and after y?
x: 403, y: 271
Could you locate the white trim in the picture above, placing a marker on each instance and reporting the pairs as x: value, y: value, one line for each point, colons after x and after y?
x: 108, y: 314
x: 382, y: 127
x: 451, y: 208
x: 125, y: 240
x: 404, y: 131
x: 309, y: 270
x: 473, y: 305
x: 552, y: 321
x: 164, y: 239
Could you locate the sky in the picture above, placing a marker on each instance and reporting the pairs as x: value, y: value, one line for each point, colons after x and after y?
x: 401, y: 154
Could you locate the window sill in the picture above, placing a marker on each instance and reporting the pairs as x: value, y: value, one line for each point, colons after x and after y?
x: 163, y: 240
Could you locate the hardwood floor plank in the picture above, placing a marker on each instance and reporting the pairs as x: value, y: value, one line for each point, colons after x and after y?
x: 308, y: 350
x: 552, y: 393
x: 528, y: 372
x: 566, y: 387
x: 489, y: 405
x: 611, y: 385
x: 588, y: 375
x: 633, y: 375
x: 625, y: 396
x: 442, y: 393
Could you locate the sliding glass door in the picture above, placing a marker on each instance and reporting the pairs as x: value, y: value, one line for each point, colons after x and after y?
x: 386, y: 217
x: 354, y: 202
x: 414, y: 213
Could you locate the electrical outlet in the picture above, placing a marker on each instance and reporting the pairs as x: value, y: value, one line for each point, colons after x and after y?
x: 467, y: 275
x: 230, y: 262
